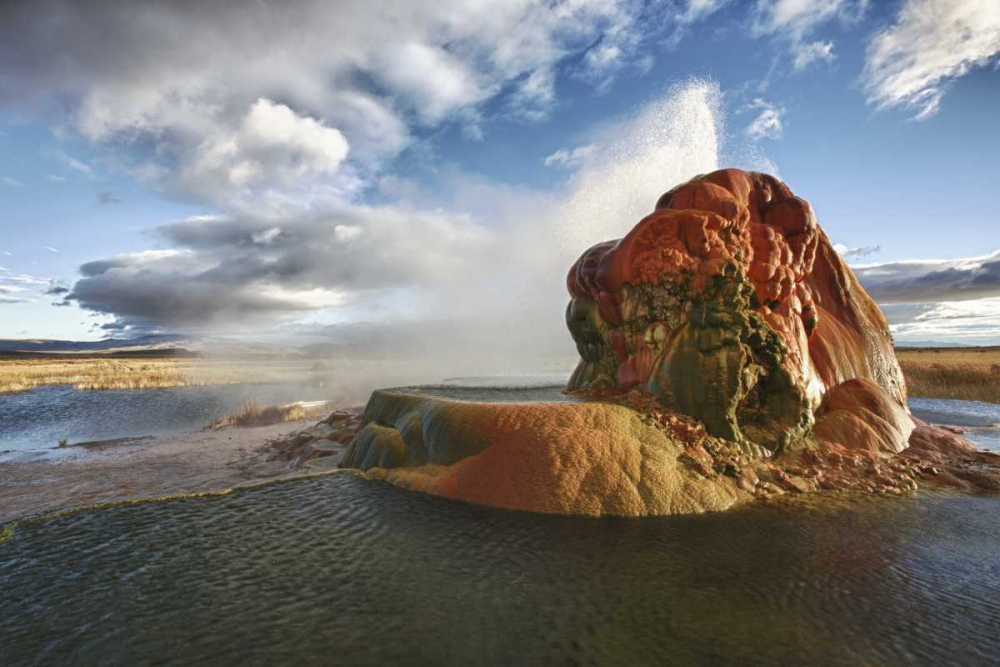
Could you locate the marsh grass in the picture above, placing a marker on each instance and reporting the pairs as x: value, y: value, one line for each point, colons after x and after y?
x: 251, y: 414
x: 971, y: 374
x: 91, y: 373
x: 95, y: 372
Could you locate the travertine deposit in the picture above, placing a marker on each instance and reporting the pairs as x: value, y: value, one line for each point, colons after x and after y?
x: 727, y: 353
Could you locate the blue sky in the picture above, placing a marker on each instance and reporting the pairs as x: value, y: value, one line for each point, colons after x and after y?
x: 300, y: 165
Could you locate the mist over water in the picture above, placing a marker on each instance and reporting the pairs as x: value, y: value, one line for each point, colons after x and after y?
x: 497, y: 310
x: 503, y: 312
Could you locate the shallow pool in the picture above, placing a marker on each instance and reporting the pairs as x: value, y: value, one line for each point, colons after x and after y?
x: 340, y: 570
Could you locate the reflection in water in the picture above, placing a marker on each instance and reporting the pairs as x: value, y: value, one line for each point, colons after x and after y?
x: 340, y: 570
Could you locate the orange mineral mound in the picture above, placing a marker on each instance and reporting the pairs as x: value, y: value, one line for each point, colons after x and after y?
x: 727, y: 353
x: 728, y: 303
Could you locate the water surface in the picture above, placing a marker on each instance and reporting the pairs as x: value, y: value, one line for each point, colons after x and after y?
x: 40, y: 418
x: 339, y: 570
x: 982, y: 419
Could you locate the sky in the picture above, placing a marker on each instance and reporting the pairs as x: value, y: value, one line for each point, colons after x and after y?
x: 308, y: 170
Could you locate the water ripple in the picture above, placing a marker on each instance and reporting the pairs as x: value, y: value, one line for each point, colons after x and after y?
x: 340, y: 570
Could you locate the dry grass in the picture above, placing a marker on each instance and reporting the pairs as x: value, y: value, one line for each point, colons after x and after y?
x: 96, y: 372
x: 251, y: 414
x: 971, y: 374
x: 91, y: 373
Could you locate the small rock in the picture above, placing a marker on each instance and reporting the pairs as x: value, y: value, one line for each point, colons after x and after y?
x: 799, y: 484
x: 318, y: 449
x: 748, y: 480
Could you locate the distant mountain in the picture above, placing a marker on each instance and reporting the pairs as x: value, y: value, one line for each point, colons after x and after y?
x: 153, y: 342
x: 930, y: 343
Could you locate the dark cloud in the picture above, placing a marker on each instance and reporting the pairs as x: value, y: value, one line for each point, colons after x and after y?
x: 57, y: 290
x: 237, y: 270
x: 105, y: 198
x: 925, y: 281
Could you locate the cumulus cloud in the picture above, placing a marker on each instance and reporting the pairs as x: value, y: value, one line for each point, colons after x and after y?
x: 273, y: 147
x: 222, y: 102
x: 922, y: 281
x: 482, y: 250
x: 282, y: 116
x: 795, y: 21
x: 931, y: 43
x: 229, y: 270
x: 769, y: 123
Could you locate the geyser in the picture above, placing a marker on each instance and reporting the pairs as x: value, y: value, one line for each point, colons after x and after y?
x: 727, y: 353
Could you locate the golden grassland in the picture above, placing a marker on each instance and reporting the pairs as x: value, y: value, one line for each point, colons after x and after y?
x: 102, y: 372
x: 971, y: 374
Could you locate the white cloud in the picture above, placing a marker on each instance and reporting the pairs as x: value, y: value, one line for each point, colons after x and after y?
x: 56, y: 178
x: 7, y: 180
x: 175, y: 88
x: 51, y: 249
x: 347, y: 233
x: 807, y: 53
x: 857, y: 251
x: 697, y: 10
x: 974, y: 322
x: 797, y: 17
x: 20, y: 287
x: 272, y: 148
x: 73, y: 163
x: 569, y: 158
x: 535, y: 96
x: 931, y: 43
x: 796, y: 20
x: 451, y: 256
x: 266, y: 237
x: 769, y: 123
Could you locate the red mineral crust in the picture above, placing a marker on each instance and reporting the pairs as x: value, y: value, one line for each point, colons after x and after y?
x: 730, y: 304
